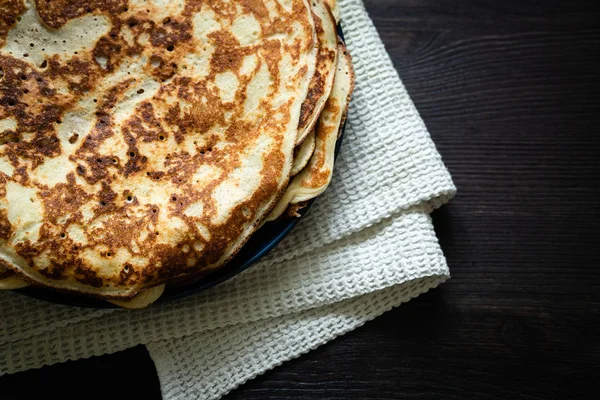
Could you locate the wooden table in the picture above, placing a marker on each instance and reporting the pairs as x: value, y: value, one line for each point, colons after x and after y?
x: 510, y: 93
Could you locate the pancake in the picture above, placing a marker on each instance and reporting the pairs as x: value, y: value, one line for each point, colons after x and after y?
x: 142, y: 299
x: 315, y: 177
x: 322, y: 80
x: 293, y: 210
x: 144, y: 141
x: 303, y: 153
x: 13, y: 282
x: 334, y: 6
x: 10, y: 280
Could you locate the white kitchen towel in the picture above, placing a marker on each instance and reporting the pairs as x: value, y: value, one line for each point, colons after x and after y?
x: 399, y: 259
x: 365, y: 246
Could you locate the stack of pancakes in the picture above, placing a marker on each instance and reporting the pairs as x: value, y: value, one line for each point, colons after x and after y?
x: 142, y: 142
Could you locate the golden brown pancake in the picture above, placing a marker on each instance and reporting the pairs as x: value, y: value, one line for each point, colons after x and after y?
x: 142, y: 299
x: 322, y: 80
x: 303, y: 153
x: 144, y: 141
x: 315, y: 177
x: 335, y: 9
x: 293, y: 210
x: 10, y: 280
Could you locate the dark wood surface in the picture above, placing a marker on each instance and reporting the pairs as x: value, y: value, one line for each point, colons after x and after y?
x: 510, y: 92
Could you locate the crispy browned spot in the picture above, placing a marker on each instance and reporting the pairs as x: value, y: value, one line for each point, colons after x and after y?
x: 56, y: 13
x: 5, y: 225
x: 9, y: 12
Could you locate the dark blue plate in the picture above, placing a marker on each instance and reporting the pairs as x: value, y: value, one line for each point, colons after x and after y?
x: 260, y: 243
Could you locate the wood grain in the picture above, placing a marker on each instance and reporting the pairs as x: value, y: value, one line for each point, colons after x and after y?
x: 510, y: 92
